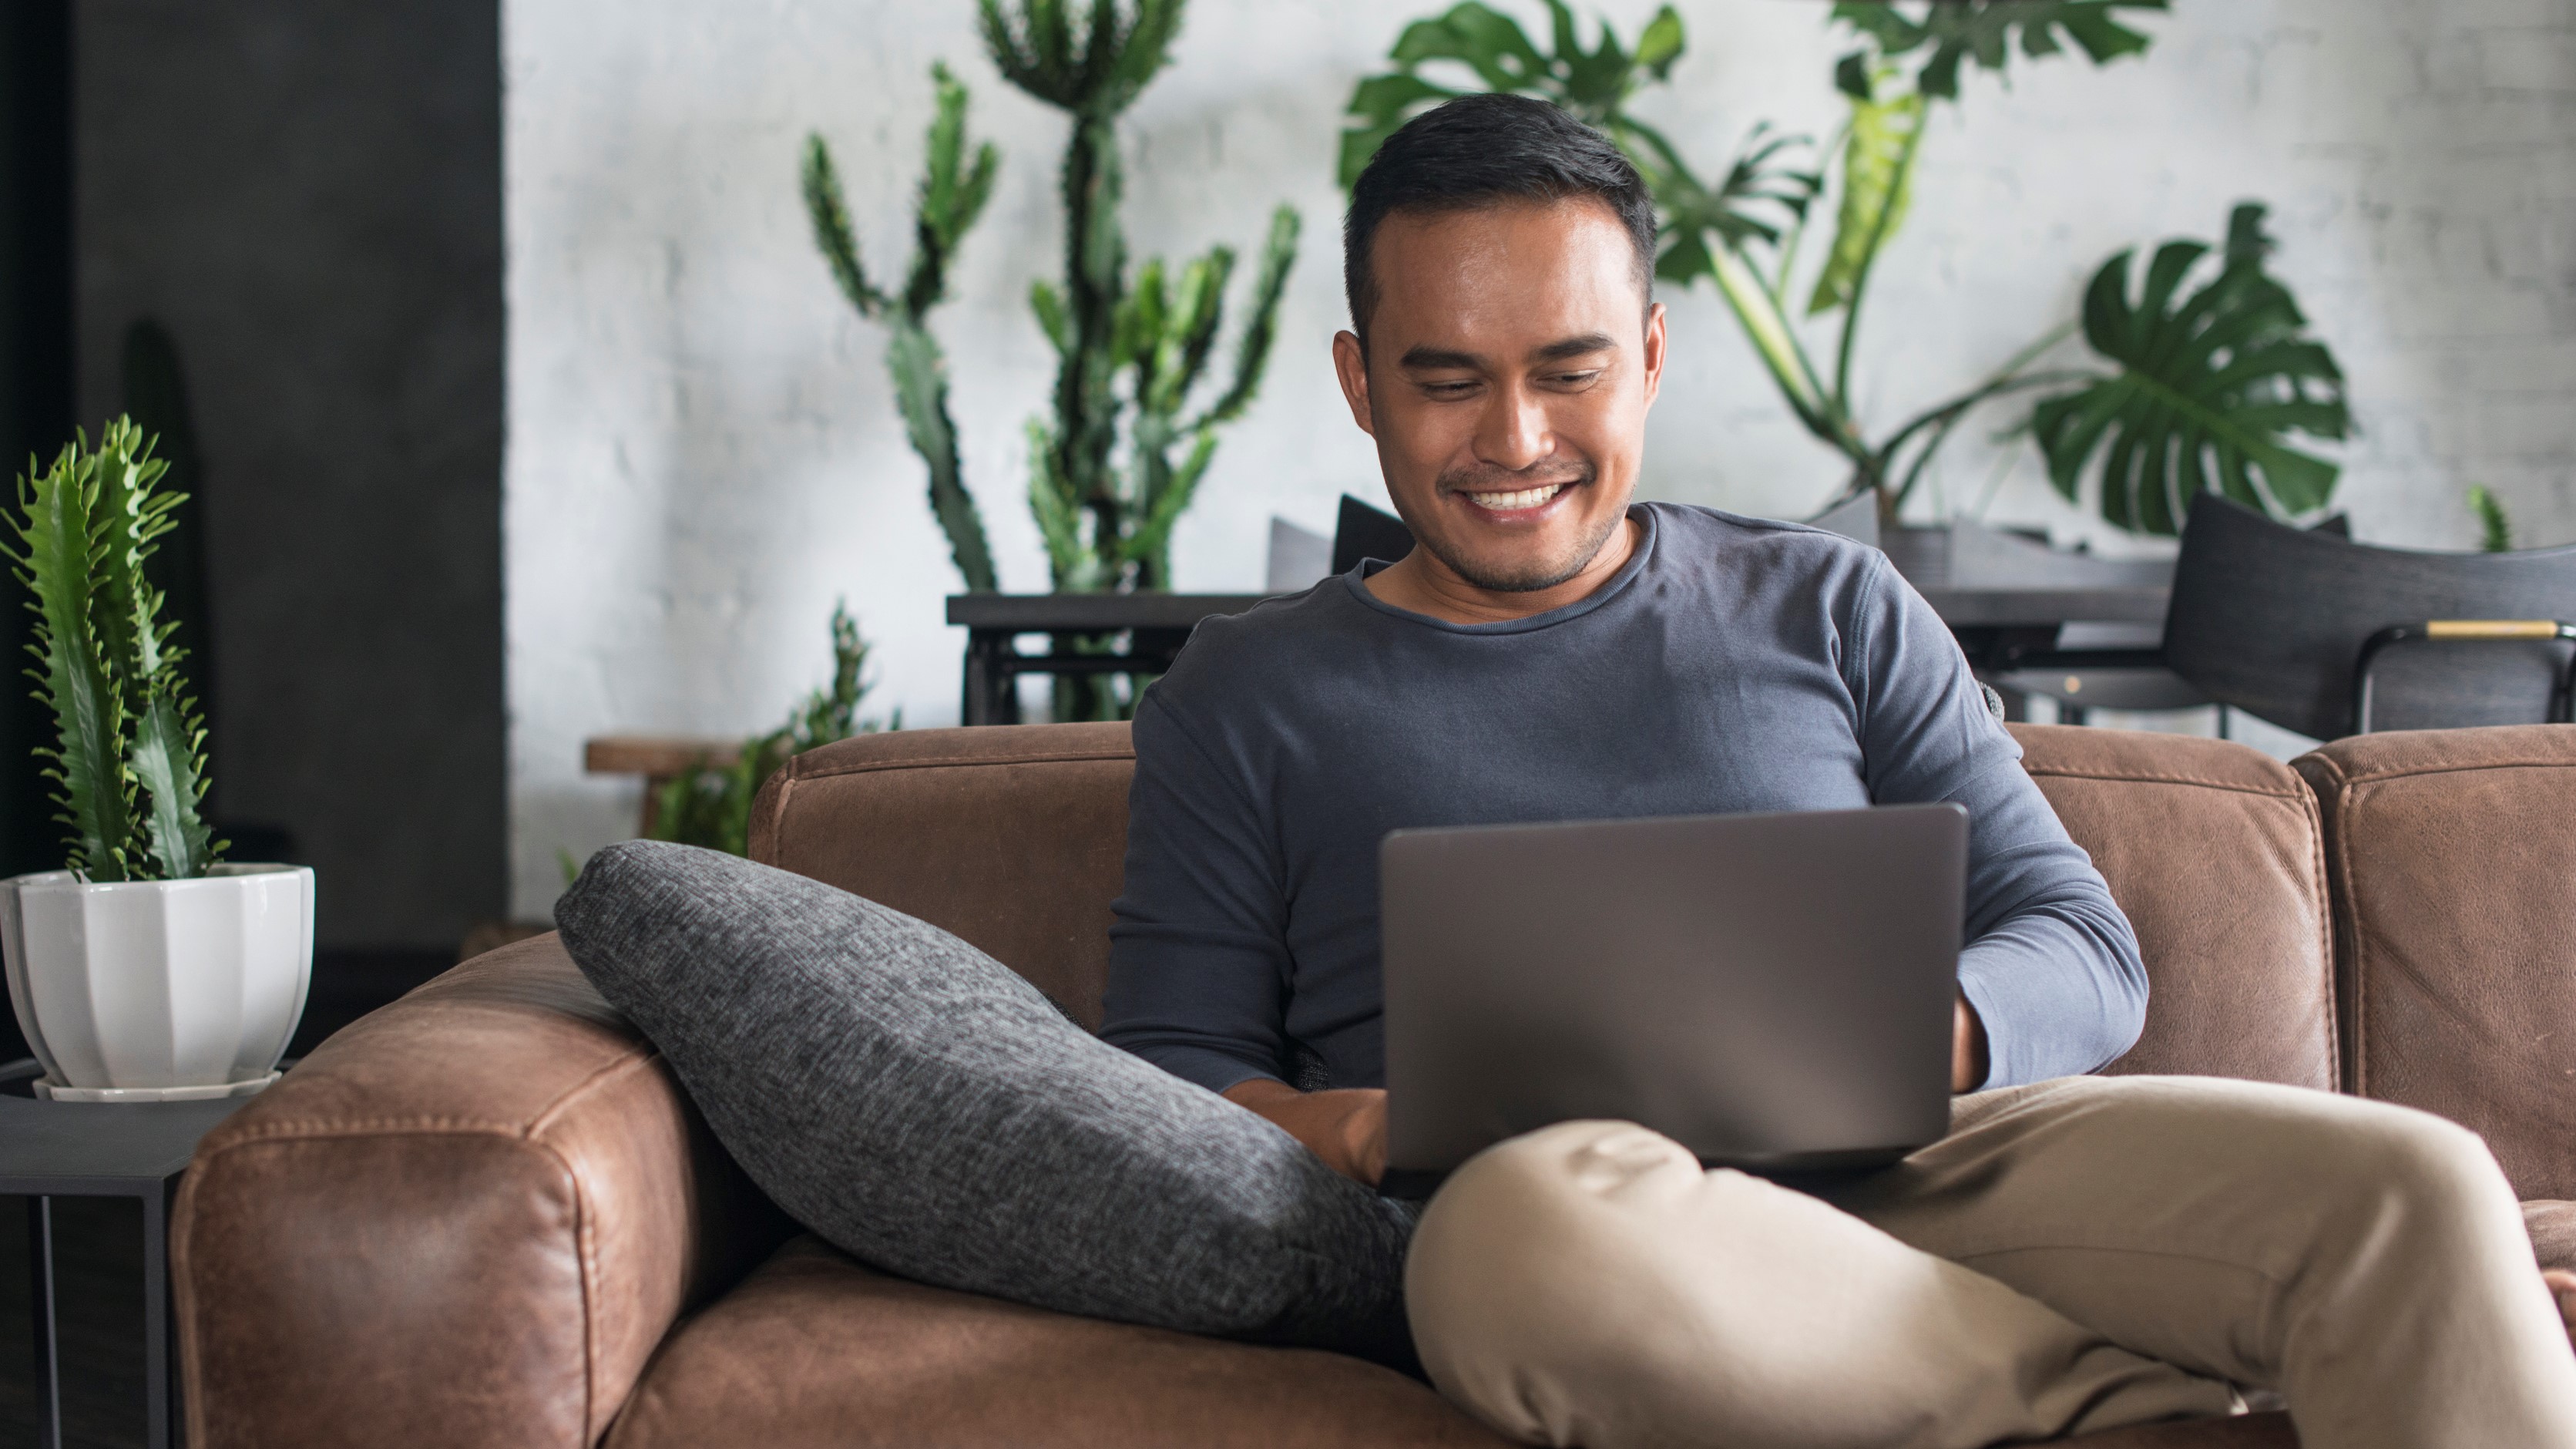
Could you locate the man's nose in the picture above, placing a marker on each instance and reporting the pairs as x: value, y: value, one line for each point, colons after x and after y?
x: 1513, y: 433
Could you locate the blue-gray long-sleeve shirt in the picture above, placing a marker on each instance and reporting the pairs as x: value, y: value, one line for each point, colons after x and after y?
x: 1732, y: 665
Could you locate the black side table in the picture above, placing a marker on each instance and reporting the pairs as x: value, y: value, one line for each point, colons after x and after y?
x: 91, y: 1149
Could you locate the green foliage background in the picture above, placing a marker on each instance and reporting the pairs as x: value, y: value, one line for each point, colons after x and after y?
x: 2212, y: 388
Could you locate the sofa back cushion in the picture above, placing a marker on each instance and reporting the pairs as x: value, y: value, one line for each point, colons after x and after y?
x: 2453, y: 864
x: 1013, y: 837
x: 2213, y: 850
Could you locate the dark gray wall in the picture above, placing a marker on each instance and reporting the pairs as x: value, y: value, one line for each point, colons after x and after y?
x: 307, y: 195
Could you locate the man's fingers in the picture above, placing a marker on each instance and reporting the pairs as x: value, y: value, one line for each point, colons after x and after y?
x: 2562, y: 1286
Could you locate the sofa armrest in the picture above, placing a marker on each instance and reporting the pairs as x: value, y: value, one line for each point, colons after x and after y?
x: 468, y: 1219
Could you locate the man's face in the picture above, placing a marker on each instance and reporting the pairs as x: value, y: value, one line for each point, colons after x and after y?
x: 1509, y: 368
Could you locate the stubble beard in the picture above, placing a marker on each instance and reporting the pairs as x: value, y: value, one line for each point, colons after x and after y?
x: 1535, y: 575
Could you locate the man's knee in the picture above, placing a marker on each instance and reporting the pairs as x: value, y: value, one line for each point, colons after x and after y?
x: 1526, y: 1226
x: 2433, y: 1163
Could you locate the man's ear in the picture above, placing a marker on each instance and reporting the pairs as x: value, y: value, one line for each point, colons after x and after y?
x: 1654, y: 351
x: 1350, y: 364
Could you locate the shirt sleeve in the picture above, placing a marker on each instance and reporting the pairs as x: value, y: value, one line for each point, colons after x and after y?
x: 1198, y: 956
x: 2051, y: 965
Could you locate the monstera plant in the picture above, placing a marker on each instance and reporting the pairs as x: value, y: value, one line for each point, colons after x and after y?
x: 2209, y: 386
x: 1746, y: 230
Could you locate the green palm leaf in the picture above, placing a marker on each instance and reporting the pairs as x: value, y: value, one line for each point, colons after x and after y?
x: 1491, y: 47
x: 2210, y: 389
x: 1949, y: 33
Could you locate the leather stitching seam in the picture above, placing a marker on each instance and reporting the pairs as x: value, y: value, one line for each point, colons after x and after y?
x: 537, y: 1122
x: 2348, y: 915
x: 371, y: 1126
x: 2322, y: 899
x: 2278, y: 792
x: 1051, y: 757
x: 571, y: 1095
x: 2400, y: 772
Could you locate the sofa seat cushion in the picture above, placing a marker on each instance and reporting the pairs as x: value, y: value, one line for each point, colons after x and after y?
x: 815, y: 1349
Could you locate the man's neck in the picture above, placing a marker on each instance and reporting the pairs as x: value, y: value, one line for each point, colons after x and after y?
x: 1419, y: 583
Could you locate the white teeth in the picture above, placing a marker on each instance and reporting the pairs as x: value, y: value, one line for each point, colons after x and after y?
x: 1526, y: 498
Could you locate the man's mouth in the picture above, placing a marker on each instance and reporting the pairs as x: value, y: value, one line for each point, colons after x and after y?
x: 1516, y: 500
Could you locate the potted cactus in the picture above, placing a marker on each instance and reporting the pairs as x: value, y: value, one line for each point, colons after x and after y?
x: 146, y: 969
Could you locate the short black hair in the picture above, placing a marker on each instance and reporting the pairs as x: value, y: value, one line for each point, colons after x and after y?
x: 1477, y: 151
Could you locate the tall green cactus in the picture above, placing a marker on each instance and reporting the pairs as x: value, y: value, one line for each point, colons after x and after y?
x: 953, y: 192
x: 1128, y: 361
x: 1106, y: 530
x: 128, y: 765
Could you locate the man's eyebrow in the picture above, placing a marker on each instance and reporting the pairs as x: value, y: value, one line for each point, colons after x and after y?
x: 1589, y: 342
x: 1433, y: 359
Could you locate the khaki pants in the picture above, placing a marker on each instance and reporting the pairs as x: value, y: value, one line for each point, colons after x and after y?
x: 2075, y: 1255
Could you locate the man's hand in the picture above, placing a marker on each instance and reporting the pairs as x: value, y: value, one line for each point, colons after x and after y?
x: 2562, y: 1287
x: 1345, y: 1128
x: 1968, y: 1063
x: 1348, y: 1128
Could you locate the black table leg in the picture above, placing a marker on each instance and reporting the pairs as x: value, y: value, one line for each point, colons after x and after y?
x: 992, y: 690
x: 40, y: 1297
x: 156, y: 1317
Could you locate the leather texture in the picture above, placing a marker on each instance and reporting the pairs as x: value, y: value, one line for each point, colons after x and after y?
x: 822, y: 1353
x: 467, y: 1220
x: 819, y: 1351
x: 1013, y: 837
x: 2451, y: 859
x: 473, y: 1217
x: 2214, y: 851
x: 2552, y: 1225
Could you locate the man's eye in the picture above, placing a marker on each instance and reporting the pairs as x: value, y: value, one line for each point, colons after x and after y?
x: 1449, y: 389
x: 1575, y: 379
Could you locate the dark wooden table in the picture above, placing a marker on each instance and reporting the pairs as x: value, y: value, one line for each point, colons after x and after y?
x: 99, y: 1149
x: 2001, y: 625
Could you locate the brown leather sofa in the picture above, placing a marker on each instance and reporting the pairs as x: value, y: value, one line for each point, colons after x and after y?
x: 486, y: 1215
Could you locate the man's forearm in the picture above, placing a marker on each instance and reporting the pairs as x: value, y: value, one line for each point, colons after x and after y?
x: 1347, y: 1129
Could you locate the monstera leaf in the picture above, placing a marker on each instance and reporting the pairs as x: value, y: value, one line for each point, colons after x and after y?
x: 1956, y: 31
x: 2210, y: 389
x: 1492, y: 46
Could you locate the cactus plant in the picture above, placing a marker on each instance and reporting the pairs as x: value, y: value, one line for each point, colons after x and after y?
x: 128, y: 765
x: 953, y: 192
x: 1129, y: 359
x: 711, y: 805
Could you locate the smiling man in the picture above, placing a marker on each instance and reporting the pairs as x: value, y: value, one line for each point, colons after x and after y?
x: 2080, y: 1252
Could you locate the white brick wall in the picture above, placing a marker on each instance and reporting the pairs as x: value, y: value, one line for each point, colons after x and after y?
x: 703, y: 451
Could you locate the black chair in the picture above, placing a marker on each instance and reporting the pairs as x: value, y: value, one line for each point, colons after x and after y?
x: 1364, y: 532
x: 2298, y: 627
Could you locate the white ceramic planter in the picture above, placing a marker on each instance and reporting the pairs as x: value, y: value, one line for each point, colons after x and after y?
x: 159, y: 990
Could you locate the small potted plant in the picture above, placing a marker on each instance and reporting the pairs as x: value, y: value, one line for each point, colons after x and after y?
x: 145, y: 970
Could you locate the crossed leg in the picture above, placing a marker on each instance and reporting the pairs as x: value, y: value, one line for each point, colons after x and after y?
x: 2075, y: 1255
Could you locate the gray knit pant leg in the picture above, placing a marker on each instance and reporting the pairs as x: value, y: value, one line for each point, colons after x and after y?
x: 926, y: 1110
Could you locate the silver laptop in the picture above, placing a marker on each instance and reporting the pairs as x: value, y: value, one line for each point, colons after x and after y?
x: 1771, y: 991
